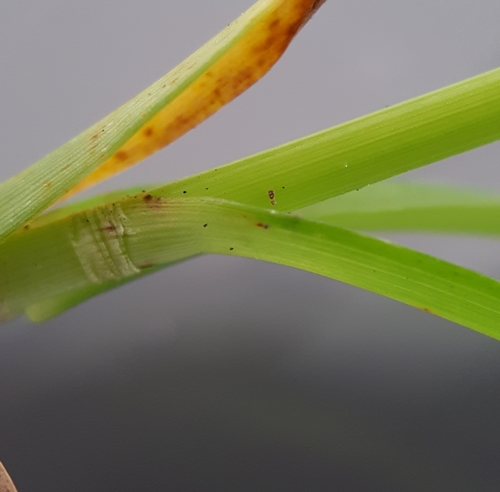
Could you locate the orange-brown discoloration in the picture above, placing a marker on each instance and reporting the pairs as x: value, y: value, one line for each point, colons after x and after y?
x: 238, y: 69
x: 121, y: 156
x: 264, y: 226
x: 274, y: 24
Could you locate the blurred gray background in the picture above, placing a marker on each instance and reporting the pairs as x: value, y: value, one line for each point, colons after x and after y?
x: 229, y: 374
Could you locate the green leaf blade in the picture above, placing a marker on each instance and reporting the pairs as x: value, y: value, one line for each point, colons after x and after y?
x: 137, y: 233
x: 366, y: 150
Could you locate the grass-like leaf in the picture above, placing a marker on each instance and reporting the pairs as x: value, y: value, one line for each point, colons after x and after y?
x: 116, y: 241
x: 391, y: 206
x: 78, y: 251
x: 360, y: 152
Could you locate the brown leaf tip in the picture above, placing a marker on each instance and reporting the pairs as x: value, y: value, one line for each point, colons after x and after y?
x: 316, y: 5
x: 312, y: 10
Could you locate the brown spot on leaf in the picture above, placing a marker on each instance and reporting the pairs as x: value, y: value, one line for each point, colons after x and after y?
x: 270, y: 194
x: 274, y: 24
x: 152, y: 201
x: 261, y: 224
x: 148, y: 131
x: 121, y: 155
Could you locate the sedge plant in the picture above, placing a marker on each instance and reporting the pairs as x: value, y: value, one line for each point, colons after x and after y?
x: 296, y: 204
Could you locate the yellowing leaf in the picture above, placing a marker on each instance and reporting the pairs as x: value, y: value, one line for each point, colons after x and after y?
x: 239, y: 68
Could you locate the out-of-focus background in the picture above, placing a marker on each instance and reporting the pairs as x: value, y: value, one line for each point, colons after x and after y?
x: 229, y: 374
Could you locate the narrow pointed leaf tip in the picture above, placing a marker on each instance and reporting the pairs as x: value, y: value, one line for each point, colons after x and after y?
x: 248, y: 60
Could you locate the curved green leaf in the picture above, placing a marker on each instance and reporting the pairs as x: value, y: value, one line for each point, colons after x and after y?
x: 121, y: 239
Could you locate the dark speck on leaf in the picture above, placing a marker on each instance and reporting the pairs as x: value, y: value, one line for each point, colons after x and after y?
x: 264, y: 226
x: 205, y: 225
x: 231, y: 249
x: 184, y: 192
x: 148, y: 197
